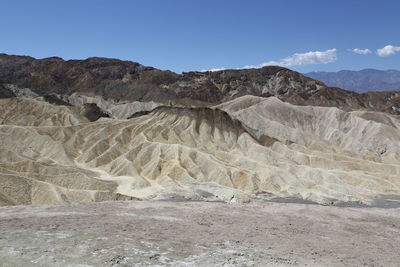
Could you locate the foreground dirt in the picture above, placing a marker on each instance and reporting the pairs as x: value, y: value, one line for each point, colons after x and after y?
x: 134, y: 233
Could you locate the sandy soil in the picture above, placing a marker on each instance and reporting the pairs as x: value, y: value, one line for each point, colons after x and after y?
x: 134, y: 233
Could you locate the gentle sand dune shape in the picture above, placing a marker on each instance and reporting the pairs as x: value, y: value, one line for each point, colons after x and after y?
x: 279, y: 150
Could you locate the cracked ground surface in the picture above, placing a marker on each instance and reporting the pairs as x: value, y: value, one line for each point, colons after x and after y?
x: 151, y: 233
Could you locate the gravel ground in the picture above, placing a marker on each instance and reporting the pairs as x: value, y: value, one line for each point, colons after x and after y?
x: 162, y: 233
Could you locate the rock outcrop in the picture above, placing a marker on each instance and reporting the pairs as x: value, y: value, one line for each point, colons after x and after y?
x: 129, y: 81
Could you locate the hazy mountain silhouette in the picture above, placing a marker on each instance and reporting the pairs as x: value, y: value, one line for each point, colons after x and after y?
x: 360, y: 81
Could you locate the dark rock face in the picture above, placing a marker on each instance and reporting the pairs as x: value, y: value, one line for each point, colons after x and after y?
x: 110, y: 78
x: 53, y: 99
x: 360, y: 81
x: 5, y: 92
x: 92, y: 112
x: 125, y: 80
x: 346, y: 100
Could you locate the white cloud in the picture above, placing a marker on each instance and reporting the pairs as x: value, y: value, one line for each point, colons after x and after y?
x: 297, y: 59
x: 361, y: 51
x: 387, y: 50
x: 309, y: 58
x: 216, y: 69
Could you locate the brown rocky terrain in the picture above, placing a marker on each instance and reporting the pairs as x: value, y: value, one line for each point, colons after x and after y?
x: 130, y: 81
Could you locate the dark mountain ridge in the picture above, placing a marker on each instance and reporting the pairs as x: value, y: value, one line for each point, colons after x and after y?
x: 130, y: 81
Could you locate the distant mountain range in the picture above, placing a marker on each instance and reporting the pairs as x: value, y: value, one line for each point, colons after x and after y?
x: 360, y: 81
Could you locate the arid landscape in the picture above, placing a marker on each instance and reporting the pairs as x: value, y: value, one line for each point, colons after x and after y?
x: 199, y: 133
x: 106, y: 162
x: 232, y: 136
x: 164, y: 233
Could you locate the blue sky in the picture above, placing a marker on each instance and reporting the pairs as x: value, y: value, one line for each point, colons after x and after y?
x: 185, y: 35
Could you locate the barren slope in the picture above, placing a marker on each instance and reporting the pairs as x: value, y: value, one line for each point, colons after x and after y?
x: 197, y: 153
x: 359, y: 132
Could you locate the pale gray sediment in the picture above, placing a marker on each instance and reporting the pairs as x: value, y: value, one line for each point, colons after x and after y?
x: 163, y: 233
